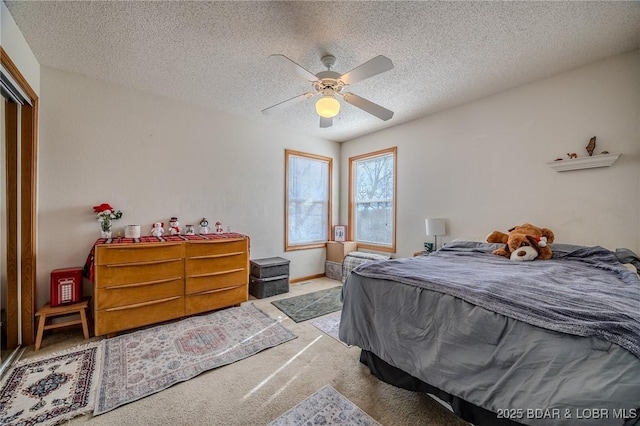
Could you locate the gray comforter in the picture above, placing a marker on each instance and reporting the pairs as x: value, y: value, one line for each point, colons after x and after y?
x: 542, y: 342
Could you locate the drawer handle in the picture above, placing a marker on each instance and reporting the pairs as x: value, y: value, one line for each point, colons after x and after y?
x: 140, y: 284
x: 211, y: 256
x: 217, y: 290
x: 149, y: 262
x: 138, y: 305
x: 211, y: 274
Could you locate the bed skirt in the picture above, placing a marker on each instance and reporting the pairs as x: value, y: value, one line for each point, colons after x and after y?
x: 463, y: 409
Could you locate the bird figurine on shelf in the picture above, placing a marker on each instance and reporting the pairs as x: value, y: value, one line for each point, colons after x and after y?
x: 591, y: 146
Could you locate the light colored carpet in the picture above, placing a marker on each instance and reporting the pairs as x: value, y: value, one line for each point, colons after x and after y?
x: 259, y: 389
x: 325, y: 407
x: 147, y: 361
x: 46, y: 390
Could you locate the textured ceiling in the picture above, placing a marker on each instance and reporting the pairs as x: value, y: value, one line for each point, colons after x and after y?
x: 216, y: 53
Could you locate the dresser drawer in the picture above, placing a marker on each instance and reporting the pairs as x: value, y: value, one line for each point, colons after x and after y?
x: 215, y: 299
x: 131, y: 253
x: 215, y: 280
x: 196, y: 266
x: 212, y: 248
x: 138, y: 272
x: 112, y: 320
x: 130, y: 294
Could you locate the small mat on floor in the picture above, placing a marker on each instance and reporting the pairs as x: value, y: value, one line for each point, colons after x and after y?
x: 325, y: 407
x: 148, y: 361
x: 51, y: 389
x: 311, y: 305
x: 329, y: 324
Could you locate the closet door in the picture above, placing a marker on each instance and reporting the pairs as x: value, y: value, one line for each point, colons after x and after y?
x: 9, y: 260
x: 17, y: 209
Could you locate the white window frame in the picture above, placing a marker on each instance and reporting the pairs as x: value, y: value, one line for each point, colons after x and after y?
x: 353, y: 220
x: 289, y: 244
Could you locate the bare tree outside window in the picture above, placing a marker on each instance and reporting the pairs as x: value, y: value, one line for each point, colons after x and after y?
x: 373, y: 199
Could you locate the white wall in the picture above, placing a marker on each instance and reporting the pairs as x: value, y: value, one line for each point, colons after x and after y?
x: 154, y: 158
x: 483, y: 165
x: 13, y: 42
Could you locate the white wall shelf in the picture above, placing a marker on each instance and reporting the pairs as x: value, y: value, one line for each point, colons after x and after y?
x: 598, y: 160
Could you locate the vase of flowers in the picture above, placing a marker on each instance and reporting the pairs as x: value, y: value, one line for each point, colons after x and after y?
x: 106, y: 214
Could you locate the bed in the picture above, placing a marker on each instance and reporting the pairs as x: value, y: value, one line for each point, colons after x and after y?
x: 553, y: 342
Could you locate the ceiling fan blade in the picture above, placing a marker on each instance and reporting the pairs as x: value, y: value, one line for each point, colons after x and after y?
x: 287, y: 103
x: 326, y: 122
x: 368, y: 106
x: 374, y: 66
x: 293, y: 67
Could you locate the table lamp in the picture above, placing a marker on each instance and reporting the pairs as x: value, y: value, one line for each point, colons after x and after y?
x: 435, y: 227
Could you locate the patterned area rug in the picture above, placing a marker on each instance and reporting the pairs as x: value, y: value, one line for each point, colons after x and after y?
x: 49, y: 390
x: 148, y: 361
x: 311, y: 305
x: 330, y: 324
x: 325, y: 407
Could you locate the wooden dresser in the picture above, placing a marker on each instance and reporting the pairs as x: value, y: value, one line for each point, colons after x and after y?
x: 141, y: 283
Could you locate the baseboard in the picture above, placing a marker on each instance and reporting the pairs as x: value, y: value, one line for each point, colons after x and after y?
x: 307, y: 278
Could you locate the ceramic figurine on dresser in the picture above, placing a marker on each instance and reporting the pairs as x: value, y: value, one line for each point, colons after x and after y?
x: 219, y: 229
x: 157, y: 229
x: 174, y: 226
x: 204, y: 226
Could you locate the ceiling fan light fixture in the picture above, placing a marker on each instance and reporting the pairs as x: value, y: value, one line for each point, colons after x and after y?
x: 329, y: 83
x: 327, y: 106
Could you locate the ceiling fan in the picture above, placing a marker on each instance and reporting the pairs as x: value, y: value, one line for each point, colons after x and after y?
x: 330, y: 83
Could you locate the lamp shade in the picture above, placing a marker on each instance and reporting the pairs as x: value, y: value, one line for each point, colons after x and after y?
x: 327, y: 106
x: 435, y: 226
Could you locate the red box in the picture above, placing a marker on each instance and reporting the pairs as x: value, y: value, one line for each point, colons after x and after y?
x: 66, y: 286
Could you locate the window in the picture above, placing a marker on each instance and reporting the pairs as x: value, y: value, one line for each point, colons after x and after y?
x: 308, y: 200
x: 372, y: 200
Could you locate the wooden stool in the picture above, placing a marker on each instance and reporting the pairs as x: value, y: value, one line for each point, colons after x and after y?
x: 48, y: 312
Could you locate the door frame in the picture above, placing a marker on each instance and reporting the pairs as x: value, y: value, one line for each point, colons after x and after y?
x: 27, y: 172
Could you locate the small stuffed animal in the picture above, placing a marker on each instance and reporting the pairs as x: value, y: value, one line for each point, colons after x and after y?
x: 524, y: 242
x: 174, y: 226
x: 158, y: 229
x: 219, y: 229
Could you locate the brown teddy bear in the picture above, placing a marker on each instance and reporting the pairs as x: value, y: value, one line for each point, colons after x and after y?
x: 524, y: 242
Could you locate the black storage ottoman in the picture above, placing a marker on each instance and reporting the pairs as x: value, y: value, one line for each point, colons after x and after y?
x: 269, y: 267
x: 269, y: 276
x: 266, y: 287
